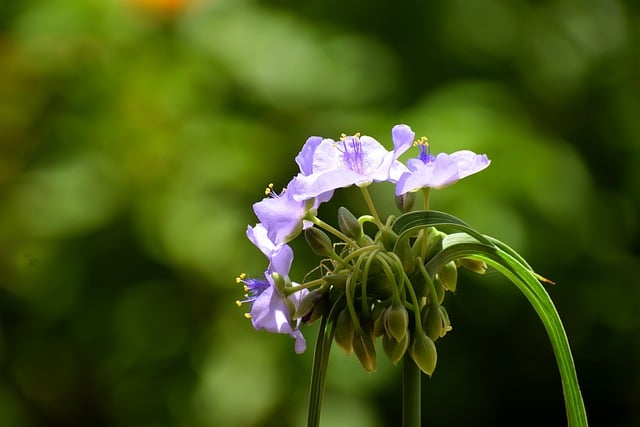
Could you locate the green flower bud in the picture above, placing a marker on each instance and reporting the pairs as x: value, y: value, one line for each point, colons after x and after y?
x: 387, y: 237
x: 431, y: 322
x: 312, y: 306
x: 404, y: 252
x: 395, y: 349
x: 365, y: 350
x: 344, y: 332
x: 435, y: 242
x: 436, y: 322
x: 377, y: 315
x: 336, y: 279
x: 405, y: 202
x: 423, y: 352
x: 473, y: 265
x: 396, y: 320
x: 448, y: 274
x: 439, y: 287
x: 349, y: 224
x: 319, y: 242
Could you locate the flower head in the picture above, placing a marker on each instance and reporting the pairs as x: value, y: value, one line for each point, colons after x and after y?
x: 280, y: 256
x: 282, y: 215
x: 439, y: 171
x: 359, y: 160
x: 271, y: 309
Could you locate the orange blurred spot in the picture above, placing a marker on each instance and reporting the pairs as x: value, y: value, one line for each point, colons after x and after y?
x: 162, y: 7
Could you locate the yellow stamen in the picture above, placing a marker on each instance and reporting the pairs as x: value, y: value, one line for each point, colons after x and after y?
x: 247, y: 315
x: 343, y: 136
x: 422, y: 141
x: 239, y: 303
x: 241, y: 277
x: 269, y: 189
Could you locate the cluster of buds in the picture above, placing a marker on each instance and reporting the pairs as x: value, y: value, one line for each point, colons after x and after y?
x: 388, y: 284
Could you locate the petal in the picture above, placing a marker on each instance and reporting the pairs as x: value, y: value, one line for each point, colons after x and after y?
x: 469, y: 162
x: 403, y: 138
x: 326, y: 157
x: 282, y: 217
x: 271, y: 312
x: 304, y: 159
x: 321, y: 183
x: 301, y: 344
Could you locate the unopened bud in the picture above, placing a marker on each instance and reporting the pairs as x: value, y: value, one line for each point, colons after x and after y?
x: 405, y: 201
x: 336, y: 279
x: 365, y: 350
x: 348, y: 224
x: 377, y: 314
x: 396, y: 320
x: 318, y: 241
x: 473, y: 265
x: 344, y: 332
x: 423, y: 352
x: 395, y: 349
x: 436, y: 322
x: 279, y: 282
x: 434, y: 246
x: 404, y: 252
x: 439, y: 287
x: 448, y: 274
x: 311, y: 306
x: 387, y: 237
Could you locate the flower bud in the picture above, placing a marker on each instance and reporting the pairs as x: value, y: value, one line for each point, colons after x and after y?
x: 448, y: 274
x: 473, y: 265
x: 349, y: 224
x: 405, y: 201
x: 336, y: 279
x: 404, y: 252
x: 387, y: 237
x: 439, y: 287
x: 365, y: 350
x: 396, y: 320
x: 344, y: 332
x: 423, y: 352
x: 311, y: 307
x: 434, y: 246
x: 377, y: 315
x: 395, y: 349
x: 436, y: 322
x: 318, y: 241
x: 279, y: 282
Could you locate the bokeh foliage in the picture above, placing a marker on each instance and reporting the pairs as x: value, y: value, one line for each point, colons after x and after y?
x: 135, y: 134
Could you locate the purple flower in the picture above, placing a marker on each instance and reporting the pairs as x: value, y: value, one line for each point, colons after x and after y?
x: 270, y: 308
x: 354, y: 160
x: 282, y: 215
x: 279, y: 256
x: 439, y: 171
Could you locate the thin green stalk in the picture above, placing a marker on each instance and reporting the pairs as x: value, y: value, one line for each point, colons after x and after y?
x: 327, y: 227
x: 411, y: 392
x: 371, y: 206
x: 538, y: 297
x: 425, y: 198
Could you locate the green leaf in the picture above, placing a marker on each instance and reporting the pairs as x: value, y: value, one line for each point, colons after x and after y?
x: 527, y: 282
x: 410, y: 223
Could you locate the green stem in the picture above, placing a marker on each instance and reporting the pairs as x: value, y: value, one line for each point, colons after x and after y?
x: 411, y: 399
x: 371, y: 206
x: 425, y: 198
x: 320, y: 223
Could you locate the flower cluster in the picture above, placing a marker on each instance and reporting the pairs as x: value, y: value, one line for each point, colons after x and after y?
x: 389, y: 285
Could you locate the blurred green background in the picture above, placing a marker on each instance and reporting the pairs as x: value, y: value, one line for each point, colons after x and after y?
x: 136, y: 134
